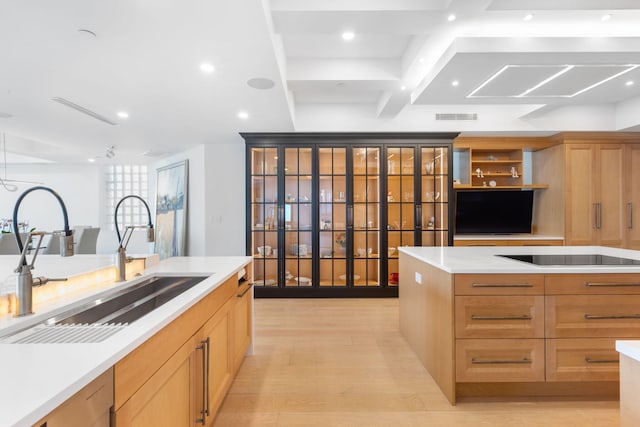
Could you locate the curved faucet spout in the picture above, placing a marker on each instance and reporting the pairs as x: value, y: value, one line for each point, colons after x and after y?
x: 25, y: 280
x: 123, y: 241
x: 67, y: 232
x: 150, y: 236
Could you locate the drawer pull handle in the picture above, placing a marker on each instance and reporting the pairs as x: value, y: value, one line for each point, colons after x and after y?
x: 524, y: 361
x: 612, y: 316
x: 594, y: 285
x: 501, y: 285
x: 522, y: 317
x: 590, y: 360
x: 240, y: 295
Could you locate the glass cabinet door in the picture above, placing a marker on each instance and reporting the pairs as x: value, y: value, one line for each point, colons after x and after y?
x: 332, y: 204
x: 401, y: 208
x: 366, y: 216
x: 263, y: 215
x: 435, y: 196
x: 298, y: 196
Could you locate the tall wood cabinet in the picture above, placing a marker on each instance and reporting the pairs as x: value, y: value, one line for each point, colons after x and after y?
x: 326, y: 213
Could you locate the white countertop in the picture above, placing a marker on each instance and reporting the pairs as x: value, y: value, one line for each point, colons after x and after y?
x: 483, y: 259
x: 630, y: 348
x: 505, y: 237
x: 36, y: 378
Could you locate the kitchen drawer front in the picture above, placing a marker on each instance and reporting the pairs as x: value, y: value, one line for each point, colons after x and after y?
x: 595, y: 316
x: 499, y: 284
x: 508, y: 360
x: 499, y: 316
x: 582, y: 359
x: 612, y: 284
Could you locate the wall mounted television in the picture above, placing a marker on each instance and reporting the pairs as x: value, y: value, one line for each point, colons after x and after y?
x: 493, y: 211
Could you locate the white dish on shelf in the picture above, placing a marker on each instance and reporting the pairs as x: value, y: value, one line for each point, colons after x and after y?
x: 268, y: 282
x: 304, y: 281
x: 343, y: 277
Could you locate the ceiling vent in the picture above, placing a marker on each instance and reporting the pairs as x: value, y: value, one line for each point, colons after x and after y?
x: 82, y: 109
x: 456, y: 116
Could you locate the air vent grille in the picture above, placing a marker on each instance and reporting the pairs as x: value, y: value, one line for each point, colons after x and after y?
x: 82, y: 110
x: 456, y: 116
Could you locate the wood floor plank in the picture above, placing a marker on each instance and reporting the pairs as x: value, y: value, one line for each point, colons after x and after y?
x: 343, y: 362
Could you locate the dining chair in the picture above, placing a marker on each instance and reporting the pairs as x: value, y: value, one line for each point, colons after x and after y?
x: 88, y: 240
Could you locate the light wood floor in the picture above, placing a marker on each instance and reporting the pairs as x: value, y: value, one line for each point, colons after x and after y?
x: 343, y: 362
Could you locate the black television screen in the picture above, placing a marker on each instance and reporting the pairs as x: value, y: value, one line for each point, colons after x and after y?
x: 494, y: 211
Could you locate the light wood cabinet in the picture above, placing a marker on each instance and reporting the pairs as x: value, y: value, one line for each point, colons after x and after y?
x: 180, y: 376
x: 87, y: 408
x: 500, y: 360
x: 582, y: 359
x: 632, y: 192
x: 594, y: 194
x: 242, y: 330
x: 168, y: 397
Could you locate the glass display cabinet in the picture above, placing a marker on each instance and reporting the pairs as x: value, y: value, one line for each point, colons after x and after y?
x: 326, y: 213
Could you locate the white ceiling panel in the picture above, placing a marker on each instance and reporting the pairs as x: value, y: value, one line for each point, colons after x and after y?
x: 332, y: 46
x: 579, y: 78
x: 514, y: 80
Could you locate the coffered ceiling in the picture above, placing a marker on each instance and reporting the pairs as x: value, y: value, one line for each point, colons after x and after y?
x: 475, y: 66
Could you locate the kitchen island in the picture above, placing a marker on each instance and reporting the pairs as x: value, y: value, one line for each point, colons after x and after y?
x: 38, y: 377
x: 489, y: 326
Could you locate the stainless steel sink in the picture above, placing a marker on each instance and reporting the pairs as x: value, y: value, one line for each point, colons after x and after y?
x: 132, y: 304
x: 97, y: 320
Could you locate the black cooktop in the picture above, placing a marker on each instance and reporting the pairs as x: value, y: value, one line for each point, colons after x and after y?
x: 573, y: 260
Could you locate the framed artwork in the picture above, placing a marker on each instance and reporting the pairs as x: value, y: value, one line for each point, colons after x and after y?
x: 171, y: 209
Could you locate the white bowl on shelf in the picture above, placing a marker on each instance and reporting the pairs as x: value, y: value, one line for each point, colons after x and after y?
x: 343, y: 277
x: 303, y: 281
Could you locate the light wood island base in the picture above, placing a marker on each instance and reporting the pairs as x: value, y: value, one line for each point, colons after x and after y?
x: 518, y: 335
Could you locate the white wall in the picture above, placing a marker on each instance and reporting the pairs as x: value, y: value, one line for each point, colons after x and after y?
x: 215, y: 199
x: 77, y: 185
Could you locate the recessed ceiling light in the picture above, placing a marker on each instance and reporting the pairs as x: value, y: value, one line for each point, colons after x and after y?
x: 629, y: 83
x: 207, y: 68
x: 123, y: 114
x: 403, y: 87
x: 91, y: 160
x: 455, y: 83
x: 348, y: 35
x: 243, y: 115
x: 605, y: 17
x: 421, y: 60
x: 528, y: 17
x: 451, y: 18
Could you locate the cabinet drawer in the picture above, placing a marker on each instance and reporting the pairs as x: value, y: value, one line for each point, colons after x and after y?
x: 508, y: 360
x: 582, y: 359
x: 565, y: 284
x: 575, y: 316
x: 499, y: 284
x: 499, y: 316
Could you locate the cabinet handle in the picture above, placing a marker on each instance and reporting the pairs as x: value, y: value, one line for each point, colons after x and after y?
x: 611, y: 316
x: 595, y: 216
x: 599, y: 216
x: 418, y: 216
x: 207, y: 344
x: 594, y: 285
x: 280, y: 217
x: 501, y: 285
x: 524, y: 361
x: 350, y: 216
x: 203, y: 412
x: 630, y: 205
x: 590, y: 360
x: 240, y: 295
x: 522, y: 317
